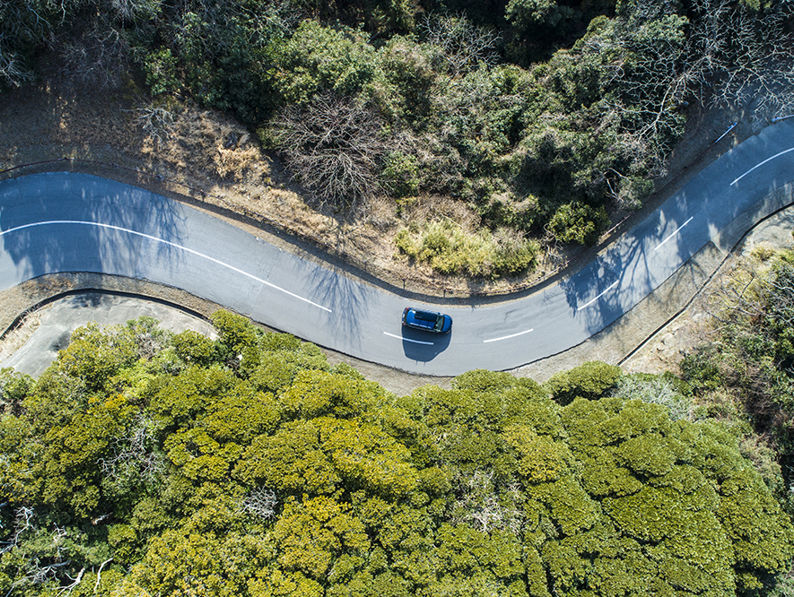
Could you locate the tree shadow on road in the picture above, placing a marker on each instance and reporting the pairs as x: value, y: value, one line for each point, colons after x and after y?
x: 629, y: 270
x: 349, y: 300
x: 106, y: 226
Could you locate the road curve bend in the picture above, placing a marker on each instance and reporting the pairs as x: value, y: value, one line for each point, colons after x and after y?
x: 62, y: 222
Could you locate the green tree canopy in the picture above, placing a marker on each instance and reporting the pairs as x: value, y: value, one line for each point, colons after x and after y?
x: 249, y: 466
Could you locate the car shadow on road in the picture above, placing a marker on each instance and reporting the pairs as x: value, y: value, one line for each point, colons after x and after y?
x: 424, y: 346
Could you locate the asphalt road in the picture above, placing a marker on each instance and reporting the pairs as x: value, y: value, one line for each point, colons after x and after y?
x: 67, y: 222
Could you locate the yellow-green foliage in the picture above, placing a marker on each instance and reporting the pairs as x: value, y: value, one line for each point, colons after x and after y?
x: 200, y: 474
x: 578, y: 223
x: 313, y: 534
x: 540, y: 458
x: 449, y: 249
x: 749, y: 368
x: 589, y: 380
x: 192, y: 347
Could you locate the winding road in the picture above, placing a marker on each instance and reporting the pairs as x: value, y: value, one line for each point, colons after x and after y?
x: 65, y: 222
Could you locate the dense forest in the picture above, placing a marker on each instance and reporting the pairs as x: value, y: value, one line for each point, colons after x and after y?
x: 147, y: 463
x: 543, y: 116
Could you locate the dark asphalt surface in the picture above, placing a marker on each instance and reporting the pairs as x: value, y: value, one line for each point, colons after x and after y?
x: 67, y: 222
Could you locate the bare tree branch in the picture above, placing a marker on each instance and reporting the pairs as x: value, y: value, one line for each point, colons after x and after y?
x: 738, y: 55
x: 133, y: 453
x: 261, y: 502
x: 333, y: 147
x: 156, y: 122
x: 463, y: 45
x: 75, y: 581
x: 99, y: 573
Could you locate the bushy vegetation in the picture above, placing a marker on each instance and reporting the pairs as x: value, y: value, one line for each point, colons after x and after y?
x: 150, y: 464
x: 748, y: 370
x: 449, y: 249
x: 543, y: 116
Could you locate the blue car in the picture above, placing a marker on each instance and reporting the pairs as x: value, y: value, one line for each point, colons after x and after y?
x: 427, y: 320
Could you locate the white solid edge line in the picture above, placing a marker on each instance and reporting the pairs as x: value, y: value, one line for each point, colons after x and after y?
x: 408, y: 339
x: 598, y: 296
x: 673, y: 233
x: 167, y: 242
x: 759, y: 164
x: 510, y: 336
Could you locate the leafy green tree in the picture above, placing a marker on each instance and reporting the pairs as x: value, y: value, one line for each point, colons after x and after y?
x: 318, y: 59
x: 186, y: 471
x: 524, y: 14
x: 161, y: 72
x: 475, y: 563
x: 227, y: 52
x: 14, y: 386
x: 314, y: 534
x: 590, y: 380
x: 191, y: 346
x: 94, y: 356
x: 323, y: 455
x: 578, y: 223
x: 406, y: 89
x: 235, y: 331
x: 218, y: 564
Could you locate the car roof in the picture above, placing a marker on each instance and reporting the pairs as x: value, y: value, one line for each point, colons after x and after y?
x: 428, y: 315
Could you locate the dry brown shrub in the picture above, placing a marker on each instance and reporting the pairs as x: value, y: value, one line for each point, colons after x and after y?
x: 332, y: 147
x: 234, y: 163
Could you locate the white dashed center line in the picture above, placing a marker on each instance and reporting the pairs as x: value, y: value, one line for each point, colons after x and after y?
x: 673, y: 233
x: 510, y: 336
x: 170, y: 244
x: 759, y: 164
x: 598, y: 296
x: 407, y: 339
